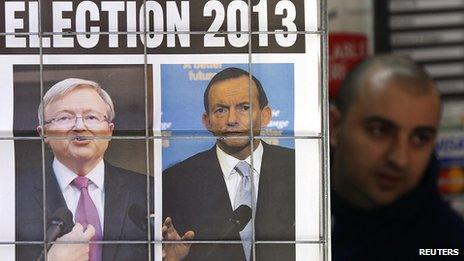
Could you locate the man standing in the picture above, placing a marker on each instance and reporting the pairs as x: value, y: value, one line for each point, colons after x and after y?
x: 76, y: 117
x: 202, y: 192
x: 385, y: 202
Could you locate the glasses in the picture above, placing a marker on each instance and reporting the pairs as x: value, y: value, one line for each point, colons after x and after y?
x: 90, y: 120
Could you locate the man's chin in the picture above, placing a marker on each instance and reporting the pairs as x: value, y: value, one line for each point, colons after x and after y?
x: 81, y: 151
x: 234, y: 145
x: 81, y: 155
x: 382, y: 199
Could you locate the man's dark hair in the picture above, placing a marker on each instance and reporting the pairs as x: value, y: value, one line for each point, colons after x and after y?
x: 232, y: 73
x: 396, y: 68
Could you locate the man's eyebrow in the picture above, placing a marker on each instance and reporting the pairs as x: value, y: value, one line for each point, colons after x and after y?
x: 378, y: 119
x: 71, y: 111
x: 63, y: 111
x: 220, y: 105
x: 92, y: 111
x: 431, y: 129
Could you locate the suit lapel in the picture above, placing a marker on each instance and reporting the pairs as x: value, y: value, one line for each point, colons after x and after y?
x: 265, y: 178
x: 215, y: 190
x: 116, y: 203
x: 270, y: 202
x: 275, y: 214
x: 213, y: 212
x: 54, y: 196
x: 215, y: 179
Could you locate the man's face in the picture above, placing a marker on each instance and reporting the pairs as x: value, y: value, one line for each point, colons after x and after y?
x: 383, y: 144
x: 68, y: 142
x: 229, y: 112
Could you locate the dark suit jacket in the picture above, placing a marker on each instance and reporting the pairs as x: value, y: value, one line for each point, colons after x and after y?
x: 122, y: 189
x: 195, y: 196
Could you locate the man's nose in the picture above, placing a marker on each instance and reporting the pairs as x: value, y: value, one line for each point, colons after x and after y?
x: 232, y: 117
x: 79, y: 124
x: 399, y: 152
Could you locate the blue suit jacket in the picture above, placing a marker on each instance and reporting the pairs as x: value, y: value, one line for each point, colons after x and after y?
x: 195, y: 196
x: 122, y: 189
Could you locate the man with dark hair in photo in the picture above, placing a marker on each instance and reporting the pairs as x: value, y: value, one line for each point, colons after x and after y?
x: 205, y: 191
x: 385, y: 201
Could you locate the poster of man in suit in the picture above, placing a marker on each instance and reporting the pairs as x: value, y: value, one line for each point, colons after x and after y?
x: 202, y: 192
x: 77, y: 118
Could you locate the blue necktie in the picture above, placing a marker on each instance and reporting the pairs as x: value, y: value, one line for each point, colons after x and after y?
x: 243, y: 196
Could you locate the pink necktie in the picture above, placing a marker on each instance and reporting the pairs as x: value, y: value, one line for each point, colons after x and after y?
x: 86, y: 213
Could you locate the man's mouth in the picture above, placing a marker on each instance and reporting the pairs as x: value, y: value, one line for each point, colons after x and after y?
x: 389, y: 180
x: 234, y: 133
x: 80, y: 138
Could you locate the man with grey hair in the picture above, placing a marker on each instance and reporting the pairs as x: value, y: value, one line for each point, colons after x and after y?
x: 385, y: 202
x: 76, y: 122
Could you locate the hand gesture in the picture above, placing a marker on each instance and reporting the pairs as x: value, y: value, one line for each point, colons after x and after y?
x: 72, y: 251
x: 175, y: 251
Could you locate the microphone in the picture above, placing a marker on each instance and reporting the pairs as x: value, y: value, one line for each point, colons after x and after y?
x: 237, y: 222
x: 61, y: 223
x: 138, y: 215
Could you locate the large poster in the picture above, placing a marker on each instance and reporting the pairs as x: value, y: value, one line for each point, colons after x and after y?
x: 135, y: 119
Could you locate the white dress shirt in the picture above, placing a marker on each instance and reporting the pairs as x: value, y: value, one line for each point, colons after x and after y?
x: 232, y: 177
x: 71, y: 194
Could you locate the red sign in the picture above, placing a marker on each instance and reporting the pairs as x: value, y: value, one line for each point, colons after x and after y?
x: 346, y: 50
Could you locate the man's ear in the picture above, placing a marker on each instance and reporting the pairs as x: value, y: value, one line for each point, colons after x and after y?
x: 111, y: 126
x: 335, y: 120
x: 39, y: 131
x: 205, y: 120
x: 266, y: 115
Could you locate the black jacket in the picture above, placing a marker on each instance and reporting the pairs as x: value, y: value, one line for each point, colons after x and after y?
x: 418, y: 220
x: 196, y: 197
x: 122, y: 189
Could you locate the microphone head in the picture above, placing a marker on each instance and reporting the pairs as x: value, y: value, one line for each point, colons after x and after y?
x: 64, y: 218
x: 241, y: 216
x: 138, y: 215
